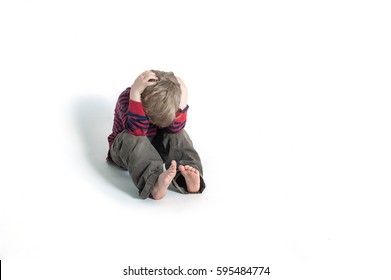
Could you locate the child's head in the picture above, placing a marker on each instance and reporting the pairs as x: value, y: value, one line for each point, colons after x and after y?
x: 161, y: 101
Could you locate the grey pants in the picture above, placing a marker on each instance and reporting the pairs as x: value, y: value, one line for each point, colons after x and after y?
x: 144, y: 159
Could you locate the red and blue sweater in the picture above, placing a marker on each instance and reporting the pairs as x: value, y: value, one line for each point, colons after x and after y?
x: 129, y: 115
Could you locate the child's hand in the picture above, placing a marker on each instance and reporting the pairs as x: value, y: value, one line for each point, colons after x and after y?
x: 147, y: 78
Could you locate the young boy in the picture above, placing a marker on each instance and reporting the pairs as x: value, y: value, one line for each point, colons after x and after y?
x: 148, y: 138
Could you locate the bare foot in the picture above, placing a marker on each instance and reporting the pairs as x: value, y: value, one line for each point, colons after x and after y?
x: 192, y: 177
x: 163, y: 182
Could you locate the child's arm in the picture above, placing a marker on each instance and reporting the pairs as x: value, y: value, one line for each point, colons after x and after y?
x: 184, y: 95
x: 181, y: 116
x: 179, y: 122
x: 137, y: 122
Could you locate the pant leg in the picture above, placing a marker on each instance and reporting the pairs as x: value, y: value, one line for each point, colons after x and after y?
x: 140, y: 158
x: 179, y: 147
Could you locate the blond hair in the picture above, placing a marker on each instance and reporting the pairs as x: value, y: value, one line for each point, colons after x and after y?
x: 161, y: 101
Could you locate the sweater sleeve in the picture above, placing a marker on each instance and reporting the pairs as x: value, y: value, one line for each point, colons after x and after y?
x: 137, y: 123
x: 179, y: 122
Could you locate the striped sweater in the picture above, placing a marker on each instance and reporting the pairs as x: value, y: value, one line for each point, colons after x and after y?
x: 129, y: 115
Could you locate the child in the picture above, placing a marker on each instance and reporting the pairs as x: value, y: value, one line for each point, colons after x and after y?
x: 148, y: 138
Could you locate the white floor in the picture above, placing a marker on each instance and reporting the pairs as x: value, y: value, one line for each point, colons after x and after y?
x: 289, y: 110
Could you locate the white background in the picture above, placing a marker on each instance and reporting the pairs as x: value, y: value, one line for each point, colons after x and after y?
x: 289, y: 110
